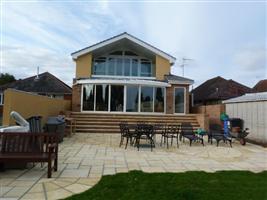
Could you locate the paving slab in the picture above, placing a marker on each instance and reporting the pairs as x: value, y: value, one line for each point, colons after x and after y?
x: 85, y: 158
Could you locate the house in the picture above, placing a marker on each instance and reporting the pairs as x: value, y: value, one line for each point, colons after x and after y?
x: 215, y: 90
x: 124, y: 74
x: 261, y: 86
x: 42, y: 84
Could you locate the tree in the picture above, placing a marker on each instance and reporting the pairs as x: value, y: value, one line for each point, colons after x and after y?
x: 6, y: 78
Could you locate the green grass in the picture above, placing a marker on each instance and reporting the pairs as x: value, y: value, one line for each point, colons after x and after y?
x: 225, y: 185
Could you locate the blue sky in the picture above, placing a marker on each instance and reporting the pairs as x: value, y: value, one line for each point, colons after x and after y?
x: 225, y: 39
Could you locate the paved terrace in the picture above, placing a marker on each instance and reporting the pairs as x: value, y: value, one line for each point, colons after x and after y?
x: 85, y: 158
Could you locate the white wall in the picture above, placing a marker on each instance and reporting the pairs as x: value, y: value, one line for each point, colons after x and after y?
x: 254, y: 115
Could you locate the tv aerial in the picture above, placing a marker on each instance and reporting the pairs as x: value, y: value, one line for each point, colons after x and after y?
x: 185, y: 62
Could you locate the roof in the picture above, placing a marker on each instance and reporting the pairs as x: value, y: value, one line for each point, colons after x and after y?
x: 219, y: 88
x: 261, y: 86
x: 47, y: 83
x: 178, y: 79
x: 121, y: 36
x: 262, y: 96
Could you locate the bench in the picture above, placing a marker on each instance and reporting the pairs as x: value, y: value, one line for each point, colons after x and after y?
x: 29, y: 147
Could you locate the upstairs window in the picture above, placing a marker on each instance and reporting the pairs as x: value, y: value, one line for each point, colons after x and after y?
x: 146, y: 69
x: 122, y: 63
x: 100, y: 66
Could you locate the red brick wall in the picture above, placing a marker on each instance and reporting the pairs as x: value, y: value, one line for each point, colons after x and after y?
x: 76, y: 98
x: 213, y: 112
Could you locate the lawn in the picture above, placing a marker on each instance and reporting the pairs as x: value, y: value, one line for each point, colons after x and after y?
x: 225, y: 185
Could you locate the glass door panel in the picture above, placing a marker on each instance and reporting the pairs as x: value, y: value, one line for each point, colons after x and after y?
x: 102, y: 92
x: 117, y: 97
x: 159, y: 100
x: 132, y: 99
x: 146, y: 99
x: 88, y: 97
x: 179, y: 100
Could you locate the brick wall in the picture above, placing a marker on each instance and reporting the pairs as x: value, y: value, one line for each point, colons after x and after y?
x: 169, y: 100
x: 76, y: 98
x: 212, y: 111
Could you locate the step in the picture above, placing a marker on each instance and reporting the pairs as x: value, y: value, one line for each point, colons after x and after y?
x: 97, y: 123
x: 109, y: 123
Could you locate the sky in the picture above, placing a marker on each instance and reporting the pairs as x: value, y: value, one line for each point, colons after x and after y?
x: 223, y: 38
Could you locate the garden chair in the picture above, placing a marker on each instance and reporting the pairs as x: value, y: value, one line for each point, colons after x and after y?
x: 172, y: 131
x: 146, y: 132
x: 125, y: 133
x: 216, y: 133
x: 188, y: 133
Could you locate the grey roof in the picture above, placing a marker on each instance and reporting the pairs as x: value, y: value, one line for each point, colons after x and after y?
x: 174, y: 78
x: 261, y: 96
x: 47, y: 83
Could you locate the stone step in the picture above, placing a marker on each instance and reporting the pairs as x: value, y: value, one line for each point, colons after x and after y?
x: 113, y: 123
x: 109, y: 123
x: 98, y: 121
x: 141, y: 116
x: 104, y: 126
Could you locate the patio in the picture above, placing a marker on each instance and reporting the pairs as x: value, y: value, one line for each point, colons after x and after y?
x: 84, y: 158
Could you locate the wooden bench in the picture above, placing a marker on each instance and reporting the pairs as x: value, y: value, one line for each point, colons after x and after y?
x: 30, y: 147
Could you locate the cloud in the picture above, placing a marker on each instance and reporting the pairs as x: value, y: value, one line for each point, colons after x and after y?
x: 28, y: 59
x: 44, y: 33
x: 253, y: 59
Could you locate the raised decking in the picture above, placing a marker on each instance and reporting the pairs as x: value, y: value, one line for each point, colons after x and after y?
x: 109, y: 123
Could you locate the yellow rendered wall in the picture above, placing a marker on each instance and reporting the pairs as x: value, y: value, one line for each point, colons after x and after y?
x: 84, y: 66
x: 28, y: 105
x: 163, y: 67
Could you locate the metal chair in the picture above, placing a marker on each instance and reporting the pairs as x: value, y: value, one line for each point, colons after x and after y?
x: 171, y: 131
x: 145, y: 131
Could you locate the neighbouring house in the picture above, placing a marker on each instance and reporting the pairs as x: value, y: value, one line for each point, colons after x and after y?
x: 252, y: 108
x: 124, y: 74
x: 215, y: 90
x: 43, y: 84
x: 209, y: 95
x: 261, y: 86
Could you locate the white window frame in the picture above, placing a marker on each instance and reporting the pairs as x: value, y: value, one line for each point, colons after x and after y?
x: 184, y: 100
x: 124, y: 100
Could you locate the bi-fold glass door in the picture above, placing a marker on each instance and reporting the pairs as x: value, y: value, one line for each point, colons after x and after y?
x: 123, y: 98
